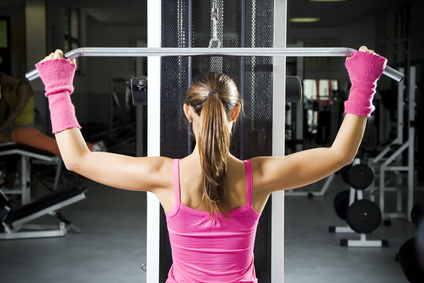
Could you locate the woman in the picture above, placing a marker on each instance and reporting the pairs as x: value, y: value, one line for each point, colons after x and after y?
x: 17, y: 101
x: 212, y: 200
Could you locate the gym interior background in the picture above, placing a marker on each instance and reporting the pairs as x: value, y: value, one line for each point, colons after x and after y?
x: 112, y: 244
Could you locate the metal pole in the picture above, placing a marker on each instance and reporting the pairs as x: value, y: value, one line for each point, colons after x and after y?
x: 278, y: 137
x: 263, y: 51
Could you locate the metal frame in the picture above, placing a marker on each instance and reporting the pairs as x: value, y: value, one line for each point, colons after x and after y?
x: 154, y: 32
x: 387, y: 163
x: 262, y: 51
x: 278, y: 138
x: 41, y: 231
x: 25, y: 173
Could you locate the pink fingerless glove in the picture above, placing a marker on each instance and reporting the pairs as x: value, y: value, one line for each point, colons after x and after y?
x: 57, y: 76
x: 364, y: 71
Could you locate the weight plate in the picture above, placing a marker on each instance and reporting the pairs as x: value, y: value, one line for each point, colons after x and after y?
x: 360, y: 176
x: 408, y: 260
x: 343, y: 171
x: 363, y: 216
x: 417, y: 213
x: 341, y: 203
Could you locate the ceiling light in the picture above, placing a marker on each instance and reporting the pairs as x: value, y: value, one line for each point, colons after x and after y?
x: 327, y: 0
x: 304, y: 20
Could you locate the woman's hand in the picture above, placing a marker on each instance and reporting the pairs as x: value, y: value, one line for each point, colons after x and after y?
x: 365, y: 68
x: 58, y: 54
x: 363, y: 48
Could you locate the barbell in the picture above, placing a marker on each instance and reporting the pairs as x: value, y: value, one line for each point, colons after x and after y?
x: 201, y: 51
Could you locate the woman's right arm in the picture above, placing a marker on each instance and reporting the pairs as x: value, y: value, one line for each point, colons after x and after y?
x: 120, y: 171
x: 115, y: 170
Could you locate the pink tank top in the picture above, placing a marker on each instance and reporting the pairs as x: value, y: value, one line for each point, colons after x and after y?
x: 212, y: 250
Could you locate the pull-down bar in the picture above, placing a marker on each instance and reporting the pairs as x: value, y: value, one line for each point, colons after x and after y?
x: 265, y: 51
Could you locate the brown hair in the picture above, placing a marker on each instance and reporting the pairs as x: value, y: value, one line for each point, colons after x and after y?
x: 213, y: 96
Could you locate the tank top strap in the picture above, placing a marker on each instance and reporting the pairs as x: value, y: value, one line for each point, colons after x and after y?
x: 248, y: 182
x: 176, y: 182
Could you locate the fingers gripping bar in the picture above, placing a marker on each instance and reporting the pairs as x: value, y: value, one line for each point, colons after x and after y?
x: 265, y: 51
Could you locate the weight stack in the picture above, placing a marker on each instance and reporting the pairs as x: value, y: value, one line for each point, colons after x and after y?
x: 187, y: 23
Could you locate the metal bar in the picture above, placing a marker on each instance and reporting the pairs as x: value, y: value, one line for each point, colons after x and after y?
x: 263, y: 51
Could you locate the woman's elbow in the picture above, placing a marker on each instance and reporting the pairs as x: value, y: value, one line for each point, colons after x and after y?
x: 71, y: 165
x: 344, y: 158
x: 347, y: 158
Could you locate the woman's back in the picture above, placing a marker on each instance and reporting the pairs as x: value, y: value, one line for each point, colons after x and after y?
x: 206, y: 247
x: 191, y: 178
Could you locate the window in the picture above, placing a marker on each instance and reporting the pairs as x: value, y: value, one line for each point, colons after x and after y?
x: 71, y: 18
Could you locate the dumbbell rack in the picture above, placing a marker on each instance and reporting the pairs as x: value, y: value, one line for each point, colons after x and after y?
x: 362, y: 242
x: 355, y: 195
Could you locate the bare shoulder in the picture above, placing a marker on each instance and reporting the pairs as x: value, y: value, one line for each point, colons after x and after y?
x: 157, y: 167
x: 266, y: 171
x: 260, y: 188
x: 24, y: 88
x: 162, y: 171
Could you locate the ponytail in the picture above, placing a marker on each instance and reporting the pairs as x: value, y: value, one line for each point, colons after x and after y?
x: 212, y: 97
x: 214, y: 144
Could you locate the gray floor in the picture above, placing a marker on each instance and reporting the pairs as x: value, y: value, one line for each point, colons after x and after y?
x: 112, y: 246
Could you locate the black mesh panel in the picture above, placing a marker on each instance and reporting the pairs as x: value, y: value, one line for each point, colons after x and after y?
x: 253, y: 75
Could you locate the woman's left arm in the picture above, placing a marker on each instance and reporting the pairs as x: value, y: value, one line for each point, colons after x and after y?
x: 308, y: 166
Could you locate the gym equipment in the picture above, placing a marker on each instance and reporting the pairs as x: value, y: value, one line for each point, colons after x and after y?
x: 417, y: 214
x: 27, y: 154
x: 359, y: 176
x: 363, y: 216
x: 392, y: 158
x: 408, y: 260
x: 411, y: 253
x: 242, y: 51
x: 420, y: 242
x: 138, y: 87
x: 15, y: 219
x: 341, y: 203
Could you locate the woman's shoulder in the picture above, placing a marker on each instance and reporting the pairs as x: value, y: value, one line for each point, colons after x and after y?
x: 23, y: 87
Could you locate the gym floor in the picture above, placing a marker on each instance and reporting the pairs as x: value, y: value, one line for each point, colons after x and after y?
x: 112, y: 245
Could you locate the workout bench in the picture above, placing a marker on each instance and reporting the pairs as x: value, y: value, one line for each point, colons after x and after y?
x: 26, y: 153
x: 14, y: 218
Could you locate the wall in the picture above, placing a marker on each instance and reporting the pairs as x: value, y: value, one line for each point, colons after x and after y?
x: 416, y: 32
x: 17, y: 38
